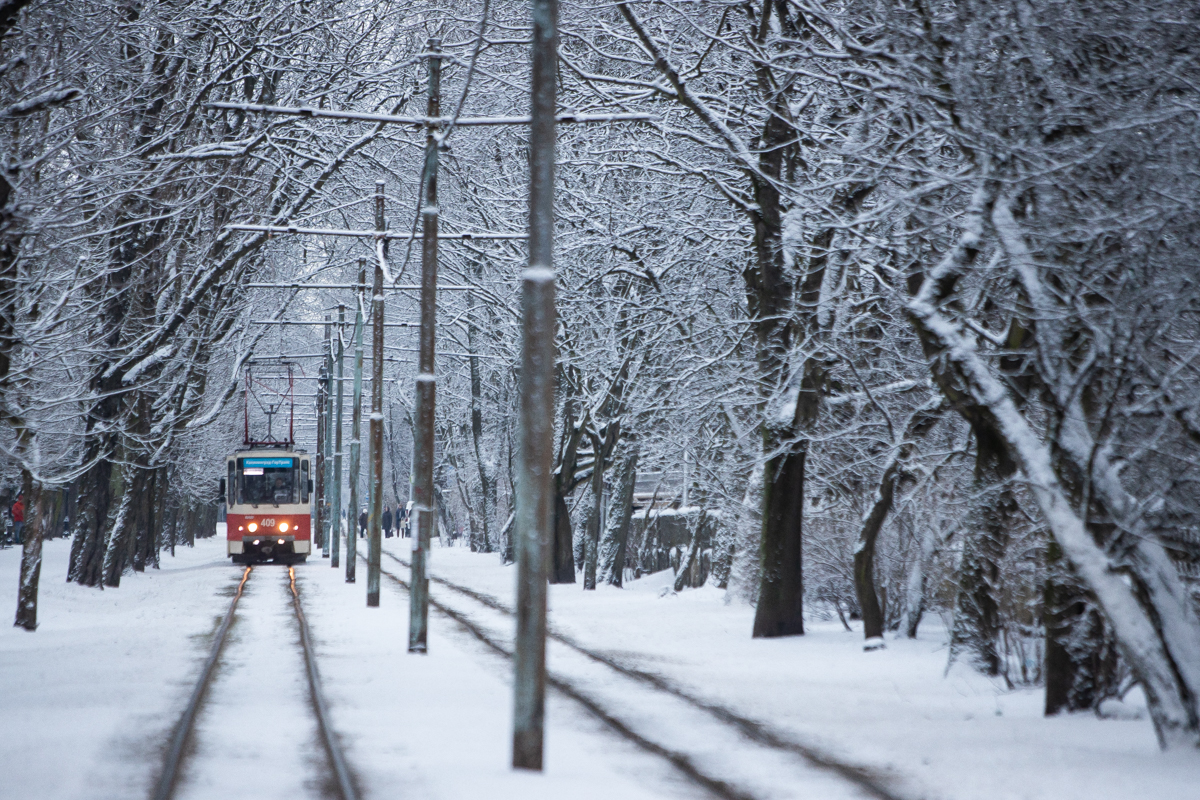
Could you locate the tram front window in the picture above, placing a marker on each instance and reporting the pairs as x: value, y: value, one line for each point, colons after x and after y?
x: 268, y: 484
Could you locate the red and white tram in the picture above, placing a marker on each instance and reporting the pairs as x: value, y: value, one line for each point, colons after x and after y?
x: 267, y: 496
x: 268, y: 485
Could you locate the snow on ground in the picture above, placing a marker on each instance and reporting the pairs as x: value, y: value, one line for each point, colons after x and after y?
x: 87, y: 701
x: 959, y: 735
x: 255, y: 735
x: 439, y: 726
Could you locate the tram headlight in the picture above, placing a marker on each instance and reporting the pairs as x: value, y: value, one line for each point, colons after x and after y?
x: 281, y: 541
x: 253, y: 526
x: 256, y: 542
x: 283, y: 527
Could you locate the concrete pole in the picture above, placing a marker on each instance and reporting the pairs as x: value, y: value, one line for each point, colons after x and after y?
x: 418, y: 621
x: 319, y: 474
x: 356, y: 427
x: 374, y: 542
x: 329, y: 523
x: 337, y: 428
x: 534, y: 502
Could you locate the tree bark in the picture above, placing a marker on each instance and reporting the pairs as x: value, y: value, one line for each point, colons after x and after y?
x: 616, y: 531
x: 31, y: 552
x: 914, y: 596
x: 780, y: 610
x: 143, y: 517
x: 690, y: 571
x: 117, y: 552
x: 95, y: 500
x: 864, y: 552
x: 977, y: 609
x: 563, y: 566
x: 592, y: 528
x: 486, y: 465
x: 1079, y: 663
x: 919, y: 424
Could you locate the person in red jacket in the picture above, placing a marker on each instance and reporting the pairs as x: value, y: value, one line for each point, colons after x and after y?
x: 18, y: 517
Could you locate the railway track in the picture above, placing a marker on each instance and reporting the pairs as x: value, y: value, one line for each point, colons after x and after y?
x: 726, y: 753
x: 183, y: 739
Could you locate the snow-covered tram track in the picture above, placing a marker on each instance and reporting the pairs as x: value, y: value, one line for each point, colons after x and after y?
x: 727, y: 754
x: 245, y: 699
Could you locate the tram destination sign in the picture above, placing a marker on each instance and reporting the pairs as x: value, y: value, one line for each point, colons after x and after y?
x: 269, y: 463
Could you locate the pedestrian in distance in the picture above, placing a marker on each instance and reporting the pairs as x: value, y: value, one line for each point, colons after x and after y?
x: 362, y: 524
x: 387, y: 522
x: 18, y: 518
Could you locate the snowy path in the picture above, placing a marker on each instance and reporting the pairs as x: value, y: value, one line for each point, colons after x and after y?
x: 717, y: 755
x: 256, y: 735
x: 89, y: 699
x: 87, y: 703
x: 897, y: 713
x: 438, y: 725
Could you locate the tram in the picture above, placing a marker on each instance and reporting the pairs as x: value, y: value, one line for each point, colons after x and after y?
x: 267, y: 485
x: 267, y: 496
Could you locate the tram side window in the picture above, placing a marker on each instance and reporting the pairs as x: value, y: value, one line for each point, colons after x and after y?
x: 231, y: 486
x: 268, y: 485
x: 304, y: 481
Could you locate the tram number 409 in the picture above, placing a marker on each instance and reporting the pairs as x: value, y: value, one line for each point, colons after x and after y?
x: 268, y: 523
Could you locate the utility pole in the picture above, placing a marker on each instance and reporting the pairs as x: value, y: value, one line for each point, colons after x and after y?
x: 374, y: 543
x: 534, y: 503
x: 319, y: 475
x: 418, y: 621
x: 337, y: 426
x: 330, y: 520
x: 356, y: 426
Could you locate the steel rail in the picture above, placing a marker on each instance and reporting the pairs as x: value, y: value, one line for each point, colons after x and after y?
x: 329, y: 738
x: 680, y: 761
x: 180, y: 737
x: 752, y: 729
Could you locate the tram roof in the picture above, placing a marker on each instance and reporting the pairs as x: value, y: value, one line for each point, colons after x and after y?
x: 266, y: 451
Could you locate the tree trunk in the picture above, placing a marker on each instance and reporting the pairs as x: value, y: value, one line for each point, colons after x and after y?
x: 56, y: 508
x: 143, y: 517
x: 95, y: 501
x: 189, y: 530
x: 592, y: 528
x: 158, y: 514
x: 1079, y: 663
x: 117, y: 552
x: 780, y: 610
x: 690, y: 572
x: 864, y: 552
x: 914, y: 597
x: 977, y: 609
x: 562, y: 563
x: 170, y: 519
x: 31, y: 552
x: 508, y: 545
x: 919, y: 424
x: 487, y: 467
x: 563, y: 566
x: 616, y: 531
